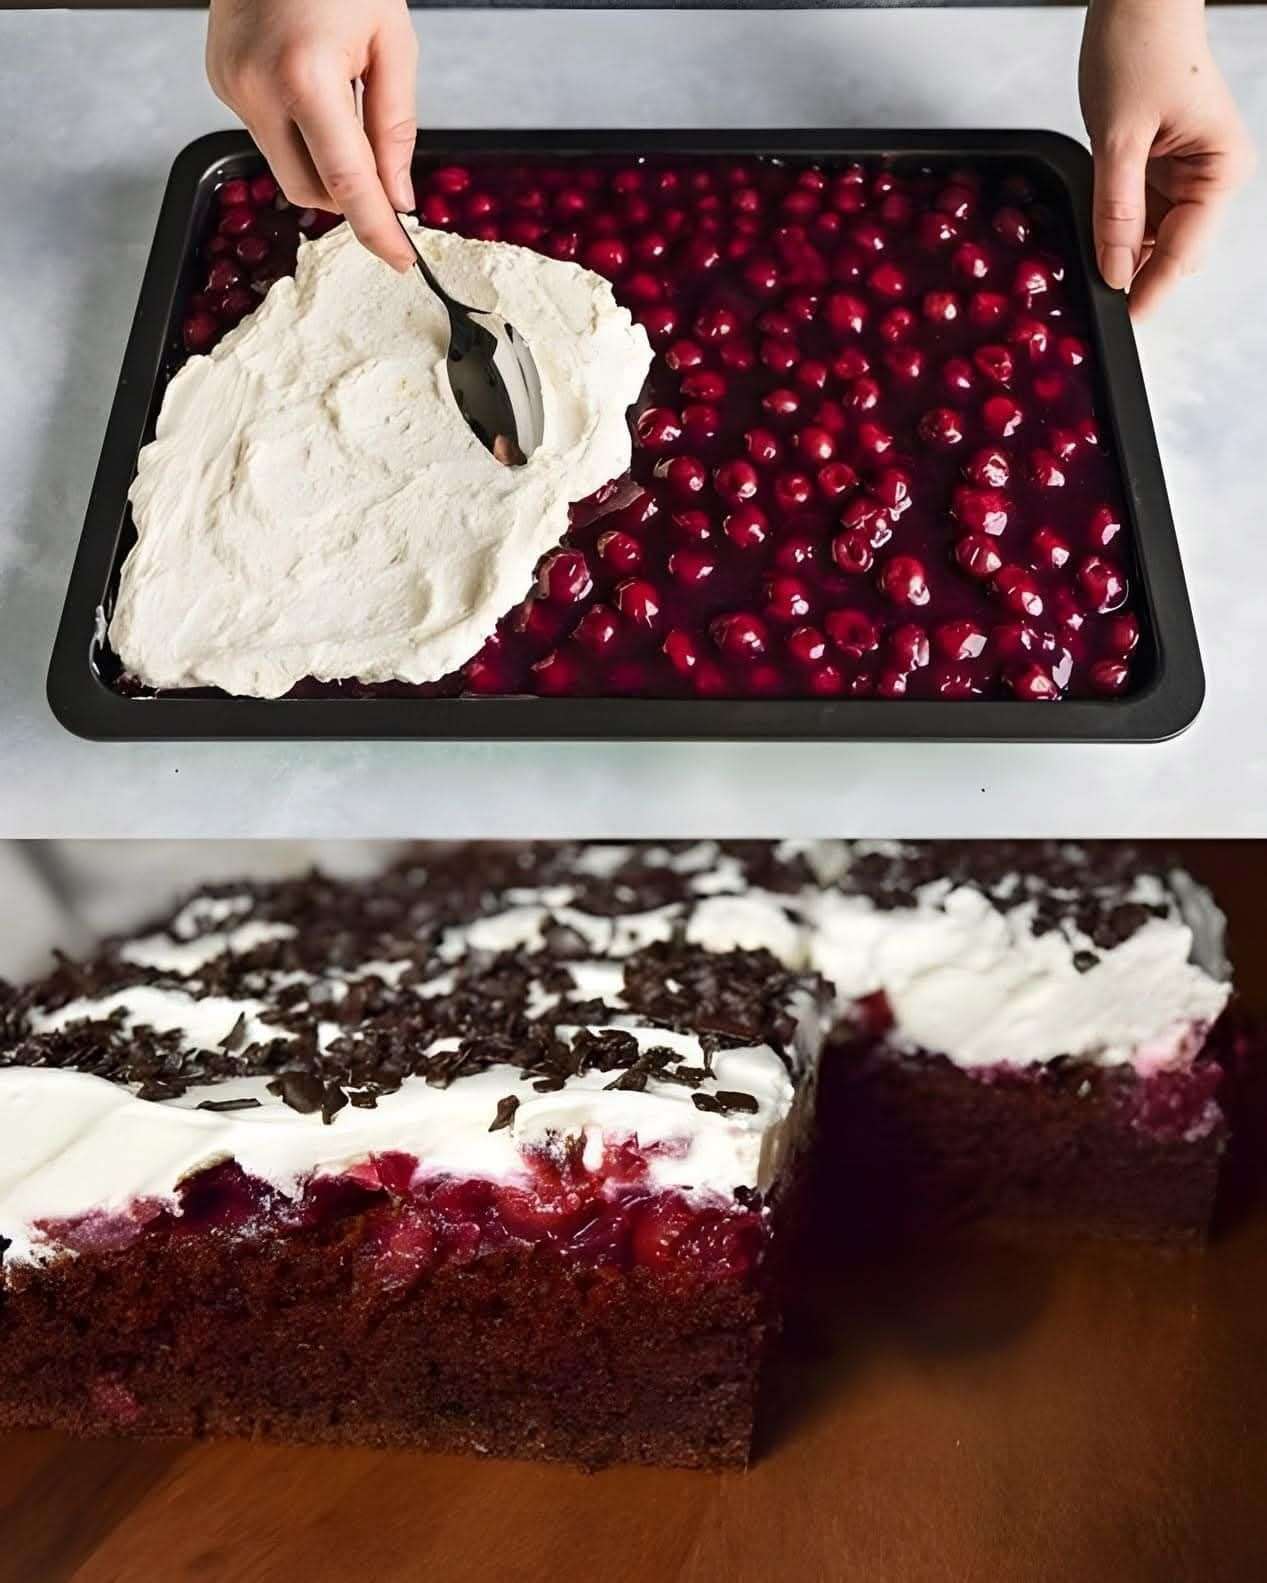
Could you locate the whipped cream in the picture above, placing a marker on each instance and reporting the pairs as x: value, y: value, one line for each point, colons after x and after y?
x: 313, y: 503
x: 76, y: 1144
x: 978, y: 985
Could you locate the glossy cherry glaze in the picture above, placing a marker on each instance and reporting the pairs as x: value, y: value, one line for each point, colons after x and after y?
x: 412, y: 1222
x: 873, y: 411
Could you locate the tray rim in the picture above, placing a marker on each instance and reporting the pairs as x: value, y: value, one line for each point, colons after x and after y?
x: 86, y: 706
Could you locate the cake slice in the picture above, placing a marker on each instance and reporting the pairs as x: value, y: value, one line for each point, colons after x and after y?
x: 1028, y: 1033
x: 438, y: 1161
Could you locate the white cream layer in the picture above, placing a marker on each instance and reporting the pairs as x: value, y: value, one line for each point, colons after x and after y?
x: 313, y: 503
x: 77, y: 1144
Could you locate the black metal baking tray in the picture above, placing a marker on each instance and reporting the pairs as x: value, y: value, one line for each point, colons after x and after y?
x: 82, y: 698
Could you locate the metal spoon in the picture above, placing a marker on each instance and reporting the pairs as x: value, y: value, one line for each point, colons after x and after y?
x: 492, y: 374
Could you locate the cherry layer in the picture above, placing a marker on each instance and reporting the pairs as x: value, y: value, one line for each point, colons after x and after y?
x: 872, y: 409
x: 413, y: 1223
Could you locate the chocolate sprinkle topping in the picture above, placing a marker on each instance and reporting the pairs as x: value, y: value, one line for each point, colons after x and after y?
x: 506, y: 1109
x: 225, y: 1105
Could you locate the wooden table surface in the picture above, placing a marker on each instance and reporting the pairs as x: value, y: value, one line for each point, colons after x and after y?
x: 1008, y: 1414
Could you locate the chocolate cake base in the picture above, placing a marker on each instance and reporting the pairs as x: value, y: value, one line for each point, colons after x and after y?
x: 912, y: 1145
x: 516, y: 1354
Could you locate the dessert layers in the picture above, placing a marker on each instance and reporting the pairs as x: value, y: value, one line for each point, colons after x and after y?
x: 317, y: 453
x: 472, y: 1010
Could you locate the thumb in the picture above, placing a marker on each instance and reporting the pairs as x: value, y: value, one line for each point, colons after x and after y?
x: 1121, y: 165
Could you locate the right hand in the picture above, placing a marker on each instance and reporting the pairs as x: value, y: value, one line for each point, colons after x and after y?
x: 287, y: 67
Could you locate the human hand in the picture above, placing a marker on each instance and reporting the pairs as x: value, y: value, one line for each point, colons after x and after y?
x: 287, y: 67
x: 1169, y: 145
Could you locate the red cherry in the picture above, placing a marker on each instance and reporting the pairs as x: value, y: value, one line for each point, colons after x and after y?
x: 1012, y: 226
x: 960, y: 640
x: 989, y: 468
x: 763, y: 447
x: 658, y: 428
x: 1048, y: 388
x: 863, y: 395
x: 682, y: 653
x: 892, y: 488
x: 1063, y: 444
x: 1049, y: 550
x: 1102, y: 583
x: 685, y: 475
x: 693, y: 525
x: 607, y: 256
x: 981, y: 510
x: 792, y: 490
x: 830, y: 415
x: 747, y: 527
x: 781, y: 403
x: 1109, y: 676
x: 701, y: 422
x: 836, y: 480
x: 850, y: 364
x: 684, y: 355
x: 941, y: 307
x: 955, y: 682
x: 995, y: 362
x: 597, y: 629
x: 236, y: 304
x: 806, y: 645
x: 199, y: 332
x: 896, y: 325
x: 887, y: 280
x: 1045, y: 470
x: 1071, y: 351
x: 852, y: 632
x: 891, y: 684
x: 826, y: 681
x: 236, y: 221
x: 564, y: 576
x: 873, y: 441
x: 555, y: 673
x: 937, y: 230
x: 812, y: 375
x: 638, y: 601
x: 815, y: 444
x: 1019, y: 590
x: 987, y: 308
x: 788, y: 600
x: 248, y: 250
x: 762, y: 276
x: 223, y: 274
x: 908, y: 648
x: 903, y: 579
x: 233, y: 194
x: 619, y: 550
x: 736, y: 481
x: 436, y: 210
x: 1033, y: 335
x: 780, y: 357
x: 957, y: 376
x: 1033, y: 683
x: 1122, y: 633
x: 866, y: 515
x: 1002, y: 415
x: 1105, y: 526
x: 905, y: 362
x: 715, y: 324
x: 941, y: 427
x: 896, y: 209
x: 852, y: 551
x: 741, y: 636
x: 957, y: 200
x: 660, y: 323
x: 796, y: 554
x: 801, y: 306
x: 846, y: 314
x: 970, y: 261
x: 1032, y: 279
x: 977, y: 555
x: 691, y: 567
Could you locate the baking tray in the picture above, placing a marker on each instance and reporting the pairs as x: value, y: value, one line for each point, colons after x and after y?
x: 83, y: 700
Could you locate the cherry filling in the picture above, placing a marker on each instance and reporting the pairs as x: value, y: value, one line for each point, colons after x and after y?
x: 872, y: 412
x: 413, y: 1223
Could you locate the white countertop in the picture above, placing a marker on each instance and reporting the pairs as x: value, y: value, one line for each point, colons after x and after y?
x: 95, y: 105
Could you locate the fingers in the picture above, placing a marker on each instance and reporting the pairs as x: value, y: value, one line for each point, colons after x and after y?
x: 1121, y: 165
x: 390, y: 110
x: 1180, y: 245
x: 288, y: 158
x: 317, y: 95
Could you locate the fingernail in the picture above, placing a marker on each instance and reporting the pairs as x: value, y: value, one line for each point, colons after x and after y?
x: 1118, y: 266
